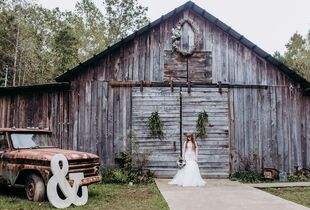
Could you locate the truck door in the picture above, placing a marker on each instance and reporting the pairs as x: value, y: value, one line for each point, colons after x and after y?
x: 3, y: 148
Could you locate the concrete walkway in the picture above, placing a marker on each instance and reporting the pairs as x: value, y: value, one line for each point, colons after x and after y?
x: 280, y: 184
x: 222, y: 194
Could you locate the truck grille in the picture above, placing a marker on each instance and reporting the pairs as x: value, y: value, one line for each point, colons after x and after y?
x: 89, y: 167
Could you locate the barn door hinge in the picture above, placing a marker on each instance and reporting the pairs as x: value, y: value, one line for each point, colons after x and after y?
x: 219, y: 85
x: 171, y: 86
x: 141, y: 86
x: 189, y: 86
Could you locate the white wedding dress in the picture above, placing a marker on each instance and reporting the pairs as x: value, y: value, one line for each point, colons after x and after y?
x: 189, y: 175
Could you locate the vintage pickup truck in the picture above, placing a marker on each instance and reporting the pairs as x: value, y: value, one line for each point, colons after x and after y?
x: 25, y: 156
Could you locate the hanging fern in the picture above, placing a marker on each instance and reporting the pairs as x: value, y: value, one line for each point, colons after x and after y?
x: 155, y: 125
x: 201, y: 124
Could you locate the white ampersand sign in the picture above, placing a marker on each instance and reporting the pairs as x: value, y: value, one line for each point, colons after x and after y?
x: 59, y: 179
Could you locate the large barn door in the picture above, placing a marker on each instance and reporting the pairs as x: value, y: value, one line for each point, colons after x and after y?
x: 213, y: 151
x: 178, y: 112
x: 163, y: 152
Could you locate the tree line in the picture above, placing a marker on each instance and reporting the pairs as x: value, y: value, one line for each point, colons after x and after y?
x: 37, y: 44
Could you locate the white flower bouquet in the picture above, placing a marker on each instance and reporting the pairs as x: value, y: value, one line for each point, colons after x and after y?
x: 180, y: 162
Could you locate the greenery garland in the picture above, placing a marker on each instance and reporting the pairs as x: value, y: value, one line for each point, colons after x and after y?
x: 201, y: 124
x: 155, y: 125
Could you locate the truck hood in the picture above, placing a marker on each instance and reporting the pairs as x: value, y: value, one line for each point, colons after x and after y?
x: 46, y: 154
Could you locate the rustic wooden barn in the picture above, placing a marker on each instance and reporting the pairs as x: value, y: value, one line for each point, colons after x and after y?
x: 179, y: 65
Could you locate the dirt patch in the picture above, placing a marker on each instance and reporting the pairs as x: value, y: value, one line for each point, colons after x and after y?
x: 140, y: 194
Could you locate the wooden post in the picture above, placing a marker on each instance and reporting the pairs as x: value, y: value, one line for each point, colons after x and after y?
x: 181, y: 147
x: 230, y: 155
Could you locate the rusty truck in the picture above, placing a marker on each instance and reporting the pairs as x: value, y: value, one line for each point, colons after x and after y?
x: 25, y: 156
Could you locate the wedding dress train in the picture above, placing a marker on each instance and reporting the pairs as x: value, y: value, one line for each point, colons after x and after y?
x: 189, y: 175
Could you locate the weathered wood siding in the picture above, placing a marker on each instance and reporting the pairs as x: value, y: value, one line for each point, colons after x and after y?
x: 305, y: 130
x: 89, y: 116
x: 38, y: 109
x: 164, y: 152
x: 272, y: 125
x: 181, y: 111
x: 182, y: 69
x: 100, y: 118
x: 213, y: 151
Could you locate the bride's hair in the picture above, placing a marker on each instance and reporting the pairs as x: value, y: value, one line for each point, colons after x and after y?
x: 190, y: 136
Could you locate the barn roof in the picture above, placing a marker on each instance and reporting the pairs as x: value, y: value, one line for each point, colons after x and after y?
x: 192, y: 6
x: 40, y: 87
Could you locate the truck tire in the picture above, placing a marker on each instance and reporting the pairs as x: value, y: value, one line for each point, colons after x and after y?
x: 35, y: 188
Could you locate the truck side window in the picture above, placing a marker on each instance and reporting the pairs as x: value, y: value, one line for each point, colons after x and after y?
x: 3, y: 142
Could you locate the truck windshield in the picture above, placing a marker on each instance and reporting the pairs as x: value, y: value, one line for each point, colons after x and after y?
x: 31, y: 140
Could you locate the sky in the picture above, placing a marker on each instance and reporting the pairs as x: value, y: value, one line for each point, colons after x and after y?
x: 267, y: 23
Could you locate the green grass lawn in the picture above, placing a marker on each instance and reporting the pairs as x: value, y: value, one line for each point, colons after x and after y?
x: 101, y: 196
x: 300, y: 195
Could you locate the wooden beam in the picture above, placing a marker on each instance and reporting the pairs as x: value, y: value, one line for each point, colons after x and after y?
x: 207, y: 84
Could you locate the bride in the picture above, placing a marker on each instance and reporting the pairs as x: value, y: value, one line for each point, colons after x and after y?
x: 189, y: 175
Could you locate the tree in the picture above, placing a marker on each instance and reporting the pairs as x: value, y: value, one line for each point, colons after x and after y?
x: 123, y: 17
x: 7, y: 41
x: 39, y: 44
x: 65, y: 49
x: 99, y: 29
x: 297, y: 54
x: 92, y: 28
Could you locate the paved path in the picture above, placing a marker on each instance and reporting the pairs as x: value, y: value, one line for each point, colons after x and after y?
x: 280, y: 184
x: 222, y: 194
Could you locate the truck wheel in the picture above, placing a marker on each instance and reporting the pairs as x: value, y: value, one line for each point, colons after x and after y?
x: 35, y: 188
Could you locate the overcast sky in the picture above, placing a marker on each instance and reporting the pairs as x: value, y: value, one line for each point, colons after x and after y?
x: 267, y: 23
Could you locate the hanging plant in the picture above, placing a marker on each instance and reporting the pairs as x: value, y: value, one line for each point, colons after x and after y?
x: 201, y: 124
x: 155, y: 125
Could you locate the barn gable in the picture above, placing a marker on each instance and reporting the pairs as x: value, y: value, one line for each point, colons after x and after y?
x: 160, y: 32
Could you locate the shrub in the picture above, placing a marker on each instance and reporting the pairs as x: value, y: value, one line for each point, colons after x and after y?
x: 130, y: 168
x: 135, y: 165
x: 248, y: 169
x: 246, y: 176
x: 296, y: 178
x: 107, y: 173
x: 112, y: 174
x: 120, y: 175
x: 121, y: 159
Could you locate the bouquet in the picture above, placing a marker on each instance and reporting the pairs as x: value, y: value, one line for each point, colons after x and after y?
x: 180, y: 162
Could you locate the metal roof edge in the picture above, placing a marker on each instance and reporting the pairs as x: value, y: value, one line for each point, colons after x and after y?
x: 39, y: 87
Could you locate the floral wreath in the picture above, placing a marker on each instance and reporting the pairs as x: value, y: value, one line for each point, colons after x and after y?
x: 176, y: 36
